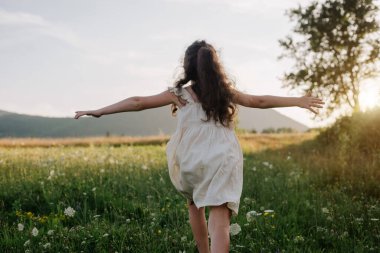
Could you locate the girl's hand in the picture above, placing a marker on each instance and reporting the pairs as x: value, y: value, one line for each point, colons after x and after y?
x: 308, y: 102
x: 95, y: 114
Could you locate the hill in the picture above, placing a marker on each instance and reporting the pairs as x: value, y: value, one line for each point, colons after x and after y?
x: 143, y: 123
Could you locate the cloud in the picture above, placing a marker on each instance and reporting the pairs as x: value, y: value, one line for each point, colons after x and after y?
x: 20, y: 18
x: 243, y: 6
x: 92, y: 51
x: 43, y: 26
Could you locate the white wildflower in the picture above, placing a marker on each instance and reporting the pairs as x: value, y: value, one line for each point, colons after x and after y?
x: 105, y: 235
x: 251, y: 214
x: 144, y: 167
x: 46, y: 245
x: 20, y: 227
x: 374, y: 219
x: 183, y: 238
x: 93, y: 189
x: 128, y: 220
x: 34, y: 231
x: 102, y: 171
x: 235, y: 229
x: 50, y: 232
x: 26, y: 243
x: 69, y: 211
x: 325, y: 210
x: 298, y: 239
x: 96, y: 216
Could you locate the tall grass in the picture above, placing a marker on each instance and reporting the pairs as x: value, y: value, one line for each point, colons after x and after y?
x: 125, y: 202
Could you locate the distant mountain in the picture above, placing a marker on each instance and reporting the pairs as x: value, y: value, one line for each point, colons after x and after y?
x: 143, y: 123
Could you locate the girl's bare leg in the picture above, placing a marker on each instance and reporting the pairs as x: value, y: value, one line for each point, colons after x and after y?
x: 219, y: 228
x: 199, y: 227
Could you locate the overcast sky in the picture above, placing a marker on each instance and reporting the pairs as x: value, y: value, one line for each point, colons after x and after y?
x: 61, y: 56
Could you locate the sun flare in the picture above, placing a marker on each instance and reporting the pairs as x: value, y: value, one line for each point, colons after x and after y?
x: 369, y: 96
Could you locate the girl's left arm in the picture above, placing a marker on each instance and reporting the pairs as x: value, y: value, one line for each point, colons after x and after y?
x: 135, y: 103
x: 267, y: 101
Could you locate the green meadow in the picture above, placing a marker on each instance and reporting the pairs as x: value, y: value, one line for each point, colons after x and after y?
x: 109, y: 197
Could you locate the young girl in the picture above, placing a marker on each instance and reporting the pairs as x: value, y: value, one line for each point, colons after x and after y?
x: 204, y: 156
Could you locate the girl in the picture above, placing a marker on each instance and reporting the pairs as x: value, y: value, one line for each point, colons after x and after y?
x: 204, y: 157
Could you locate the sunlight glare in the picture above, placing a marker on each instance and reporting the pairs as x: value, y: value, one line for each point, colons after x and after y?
x: 369, y: 96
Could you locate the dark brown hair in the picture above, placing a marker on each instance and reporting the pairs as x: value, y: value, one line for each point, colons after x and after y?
x: 209, y: 82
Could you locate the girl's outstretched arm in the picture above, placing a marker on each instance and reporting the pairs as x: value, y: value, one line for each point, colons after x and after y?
x: 135, y: 104
x: 307, y: 101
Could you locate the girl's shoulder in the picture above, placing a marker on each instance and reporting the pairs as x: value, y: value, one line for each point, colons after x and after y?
x: 185, y: 93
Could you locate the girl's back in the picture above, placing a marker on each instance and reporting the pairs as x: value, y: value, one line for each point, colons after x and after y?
x: 204, y: 157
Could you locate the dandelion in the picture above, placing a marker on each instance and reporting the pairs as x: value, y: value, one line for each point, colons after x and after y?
x: 69, y: 211
x: 298, y: 239
x: 235, y: 229
x: 34, y: 231
x: 46, y: 245
x: 20, y: 227
x: 50, y: 232
x: 251, y: 214
x: 29, y: 214
x: 26, y: 243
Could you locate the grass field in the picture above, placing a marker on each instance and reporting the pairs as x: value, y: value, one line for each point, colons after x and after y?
x: 116, y: 196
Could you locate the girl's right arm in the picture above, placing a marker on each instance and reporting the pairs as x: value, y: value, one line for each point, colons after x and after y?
x: 307, y: 101
x: 135, y: 104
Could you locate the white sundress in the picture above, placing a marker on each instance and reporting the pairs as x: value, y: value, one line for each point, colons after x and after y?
x: 205, y: 160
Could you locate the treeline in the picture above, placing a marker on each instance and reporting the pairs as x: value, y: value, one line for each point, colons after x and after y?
x: 269, y: 130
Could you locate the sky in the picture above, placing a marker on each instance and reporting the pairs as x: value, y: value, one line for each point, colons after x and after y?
x: 58, y: 57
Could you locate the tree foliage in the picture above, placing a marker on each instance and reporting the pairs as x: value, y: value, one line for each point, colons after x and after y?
x: 335, y: 46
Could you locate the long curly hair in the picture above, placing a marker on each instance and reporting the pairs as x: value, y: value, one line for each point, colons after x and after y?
x: 209, y: 82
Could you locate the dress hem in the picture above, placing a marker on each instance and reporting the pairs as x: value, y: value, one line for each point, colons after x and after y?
x: 229, y: 202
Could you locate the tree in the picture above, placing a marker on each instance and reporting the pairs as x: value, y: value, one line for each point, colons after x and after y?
x: 335, y: 47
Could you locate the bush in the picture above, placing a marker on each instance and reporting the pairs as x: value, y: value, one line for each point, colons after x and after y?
x: 357, y: 133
